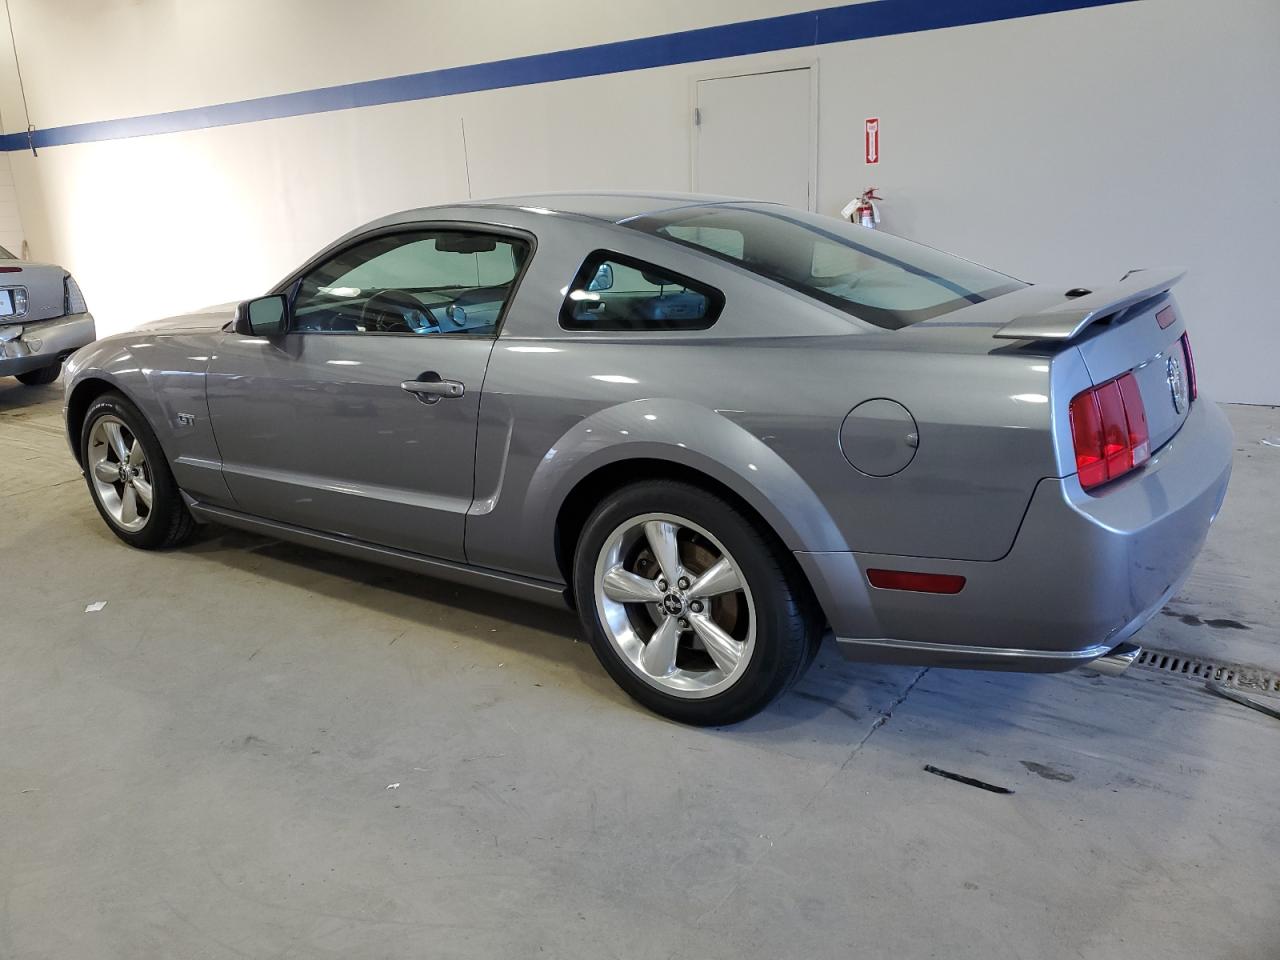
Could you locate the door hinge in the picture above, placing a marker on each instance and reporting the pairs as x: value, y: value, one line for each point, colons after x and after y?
x: 697, y: 116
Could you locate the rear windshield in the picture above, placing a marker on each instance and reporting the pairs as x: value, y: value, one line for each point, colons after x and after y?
x: 881, y: 279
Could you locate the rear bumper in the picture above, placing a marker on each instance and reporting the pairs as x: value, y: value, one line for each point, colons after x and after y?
x: 30, y: 346
x: 1084, y: 574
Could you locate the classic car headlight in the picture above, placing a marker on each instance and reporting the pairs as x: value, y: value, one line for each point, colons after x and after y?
x: 72, y: 298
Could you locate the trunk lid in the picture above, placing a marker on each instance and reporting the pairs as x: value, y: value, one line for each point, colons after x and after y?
x: 1131, y: 326
x: 1135, y: 342
x: 45, y: 292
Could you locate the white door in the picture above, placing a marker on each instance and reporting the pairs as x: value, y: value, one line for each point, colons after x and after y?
x: 753, y: 137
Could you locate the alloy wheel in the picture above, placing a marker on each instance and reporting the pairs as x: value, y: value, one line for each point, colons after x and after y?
x: 121, y: 478
x: 675, y: 605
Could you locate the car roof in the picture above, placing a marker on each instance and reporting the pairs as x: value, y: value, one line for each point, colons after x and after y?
x: 605, y: 206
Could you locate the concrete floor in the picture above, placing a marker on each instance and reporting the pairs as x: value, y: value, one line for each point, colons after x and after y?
x: 260, y: 751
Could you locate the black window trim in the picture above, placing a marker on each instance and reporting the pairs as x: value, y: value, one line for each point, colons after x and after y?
x: 290, y: 286
x: 591, y: 263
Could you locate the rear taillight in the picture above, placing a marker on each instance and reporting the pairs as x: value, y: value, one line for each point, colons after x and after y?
x: 72, y: 298
x: 1109, y: 429
x: 1192, y: 390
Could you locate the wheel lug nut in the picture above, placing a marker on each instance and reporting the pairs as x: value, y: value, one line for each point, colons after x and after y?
x: 684, y: 583
x: 662, y: 584
x: 684, y: 623
x: 696, y: 606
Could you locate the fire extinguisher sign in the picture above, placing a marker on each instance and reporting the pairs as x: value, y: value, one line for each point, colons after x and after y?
x: 873, y: 139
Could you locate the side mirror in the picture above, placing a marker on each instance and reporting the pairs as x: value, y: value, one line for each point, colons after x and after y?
x: 603, y: 280
x: 263, y: 317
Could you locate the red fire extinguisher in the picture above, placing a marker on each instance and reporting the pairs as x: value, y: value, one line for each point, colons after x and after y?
x: 864, y: 210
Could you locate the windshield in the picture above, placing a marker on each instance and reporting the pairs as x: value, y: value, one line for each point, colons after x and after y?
x: 881, y: 279
x: 6, y: 255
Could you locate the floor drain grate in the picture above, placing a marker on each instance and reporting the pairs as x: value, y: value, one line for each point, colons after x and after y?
x: 1193, y: 668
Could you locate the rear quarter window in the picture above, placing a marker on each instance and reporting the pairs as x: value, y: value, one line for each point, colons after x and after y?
x: 613, y: 292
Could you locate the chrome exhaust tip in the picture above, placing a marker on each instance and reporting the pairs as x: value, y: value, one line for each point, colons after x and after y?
x: 1117, y: 661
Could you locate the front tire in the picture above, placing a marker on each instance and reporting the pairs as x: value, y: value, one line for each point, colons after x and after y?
x: 695, y: 611
x: 129, y: 477
x: 41, y: 376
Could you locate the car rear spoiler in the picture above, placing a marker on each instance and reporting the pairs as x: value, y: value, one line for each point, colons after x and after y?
x: 1067, y: 320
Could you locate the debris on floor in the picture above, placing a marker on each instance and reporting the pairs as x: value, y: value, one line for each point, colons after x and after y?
x: 95, y: 606
x: 393, y: 786
x: 961, y: 778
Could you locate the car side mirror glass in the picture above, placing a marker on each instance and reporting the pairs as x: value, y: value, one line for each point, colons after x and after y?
x: 263, y: 317
x: 603, y: 280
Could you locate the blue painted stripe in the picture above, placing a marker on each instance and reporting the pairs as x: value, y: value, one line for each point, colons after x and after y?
x: 856, y: 21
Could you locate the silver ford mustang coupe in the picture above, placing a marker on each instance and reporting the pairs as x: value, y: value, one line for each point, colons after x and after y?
x: 716, y: 428
x: 43, y: 319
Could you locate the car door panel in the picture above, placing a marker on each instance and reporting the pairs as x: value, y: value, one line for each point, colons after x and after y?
x: 316, y: 431
x: 360, y: 420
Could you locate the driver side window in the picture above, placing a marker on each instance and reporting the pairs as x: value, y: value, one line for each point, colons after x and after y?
x: 419, y: 283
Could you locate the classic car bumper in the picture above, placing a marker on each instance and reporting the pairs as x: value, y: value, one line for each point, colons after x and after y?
x: 1084, y: 574
x: 30, y: 346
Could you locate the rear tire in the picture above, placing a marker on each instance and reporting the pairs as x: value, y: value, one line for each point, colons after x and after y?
x: 41, y: 376
x: 125, y: 467
x: 695, y: 611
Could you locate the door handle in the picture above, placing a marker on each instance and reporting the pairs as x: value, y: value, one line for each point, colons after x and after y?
x: 432, y: 389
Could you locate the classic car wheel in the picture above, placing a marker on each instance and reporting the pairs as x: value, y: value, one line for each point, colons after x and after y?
x: 41, y: 376
x: 694, y: 611
x: 129, y: 478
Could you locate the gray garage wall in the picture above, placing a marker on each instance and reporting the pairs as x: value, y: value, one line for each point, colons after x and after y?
x: 1064, y: 147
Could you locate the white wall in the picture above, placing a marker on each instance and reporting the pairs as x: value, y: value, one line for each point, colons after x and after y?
x: 1067, y: 147
x: 11, y: 235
